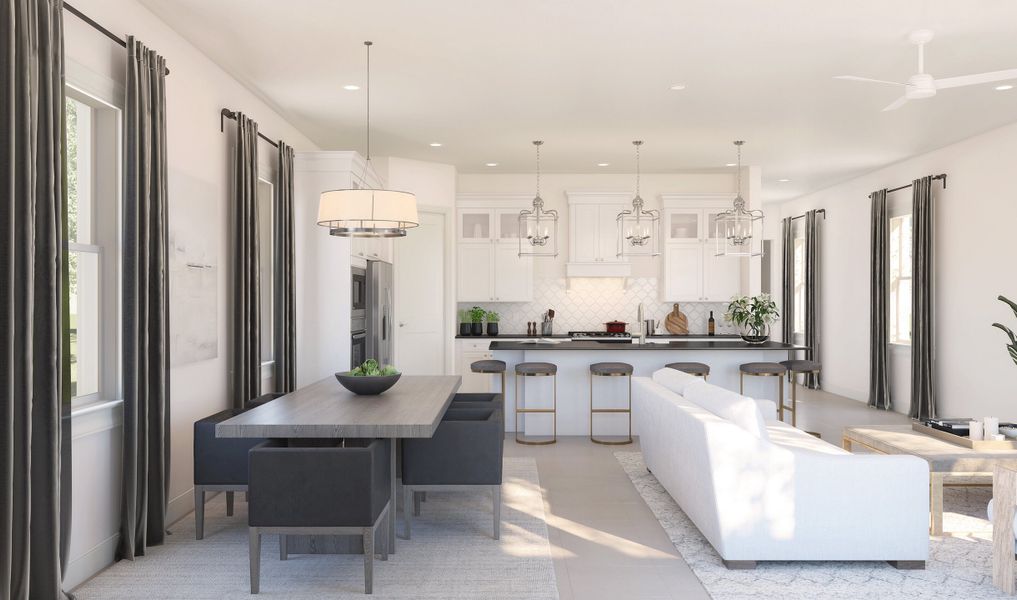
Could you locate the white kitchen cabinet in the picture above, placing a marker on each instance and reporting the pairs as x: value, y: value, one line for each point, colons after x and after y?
x: 489, y: 268
x: 691, y: 270
x: 722, y: 275
x: 593, y: 234
x: 683, y: 272
x: 372, y: 248
x: 513, y: 274
x: 475, y: 273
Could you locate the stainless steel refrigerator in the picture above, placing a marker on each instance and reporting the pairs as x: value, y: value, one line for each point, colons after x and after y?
x: 380, y: 281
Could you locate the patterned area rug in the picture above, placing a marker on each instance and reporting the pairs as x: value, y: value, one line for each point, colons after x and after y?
x: 958, y: 566
x: 451, y: 556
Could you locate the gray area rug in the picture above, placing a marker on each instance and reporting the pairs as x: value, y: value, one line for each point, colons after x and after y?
x: 958, y: 567
x: 451, y: 556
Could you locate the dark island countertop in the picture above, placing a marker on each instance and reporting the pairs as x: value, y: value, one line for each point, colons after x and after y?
x: 564, y: 336
x: 728, y: 344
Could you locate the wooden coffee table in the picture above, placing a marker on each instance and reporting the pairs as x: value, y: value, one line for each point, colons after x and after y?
x: 949, y: 464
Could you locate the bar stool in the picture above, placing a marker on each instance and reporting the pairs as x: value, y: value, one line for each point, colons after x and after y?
x: 765, y: 369
x: 794, y: 367
x: 492, y: 366
x: 538, y: 369
x: 692, y: 368
x: 611, y: 369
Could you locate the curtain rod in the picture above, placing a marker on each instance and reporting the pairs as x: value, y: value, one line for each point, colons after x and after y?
x: 229, y: 114
x: 821, y: 211
x: 106, y: 32
x: 941, y: 176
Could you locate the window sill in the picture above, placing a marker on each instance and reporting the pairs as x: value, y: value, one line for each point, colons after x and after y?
x: 91, y: 407
x: 898, y: 347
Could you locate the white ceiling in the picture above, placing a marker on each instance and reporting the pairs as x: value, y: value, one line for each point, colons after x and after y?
x: 485, y: 78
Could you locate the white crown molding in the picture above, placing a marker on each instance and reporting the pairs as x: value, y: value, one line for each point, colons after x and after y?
x: 478, y: 200
x: 599, y: 197
x: 685, y: 199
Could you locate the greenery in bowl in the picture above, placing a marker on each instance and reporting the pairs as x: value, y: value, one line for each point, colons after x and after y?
x: 493, y: 317
x: 477, y: 314
x: 371, y: 368
x: 755, y: 313
x: 1012, y: 346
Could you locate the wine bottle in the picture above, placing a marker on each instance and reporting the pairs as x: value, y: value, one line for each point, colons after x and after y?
x: 711, y: 325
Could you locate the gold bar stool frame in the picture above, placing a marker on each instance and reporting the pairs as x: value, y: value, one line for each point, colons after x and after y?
x: 765, y: 369
x: 538, y: 369
x: 794, y: 367
x: 493, y: 367
x: 611, y: 369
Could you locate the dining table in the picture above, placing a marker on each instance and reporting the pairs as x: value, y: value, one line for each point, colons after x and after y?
x: 412, y: 408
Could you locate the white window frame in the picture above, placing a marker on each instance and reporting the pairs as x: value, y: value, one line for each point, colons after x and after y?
x: 798, y: 287
x: 894, y: 301
x: 268, y: 326
x: 106, y: 193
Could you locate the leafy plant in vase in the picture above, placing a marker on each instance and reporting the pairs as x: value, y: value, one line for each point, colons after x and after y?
x: 753, y: 315
x: 464, y: 322
x: 1012, y: 346
x: 492, y: 323
x: 477, y: 315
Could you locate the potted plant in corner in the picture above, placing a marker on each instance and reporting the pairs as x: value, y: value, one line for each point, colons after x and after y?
x: 753, y: 316
x: 1012, y: 346
x: 477, y: 315
x: 464, y: 322
x: 492, y: 323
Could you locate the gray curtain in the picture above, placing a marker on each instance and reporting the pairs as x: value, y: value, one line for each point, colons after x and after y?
x: 787, y: 245
x: 923, y: 384
x: 246, y: 274
x: 879, y: 310
x: 35, y: 465
x: 146, y: 451
x: 812, y: 337
x: 285, y: 316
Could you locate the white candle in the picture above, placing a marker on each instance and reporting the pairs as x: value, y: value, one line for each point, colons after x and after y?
x: 975, y: 430
x: 991, y: 427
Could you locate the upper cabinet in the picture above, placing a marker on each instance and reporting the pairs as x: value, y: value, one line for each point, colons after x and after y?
x: 593, y: 234
x: 691, y: 271
x: 489, y: 268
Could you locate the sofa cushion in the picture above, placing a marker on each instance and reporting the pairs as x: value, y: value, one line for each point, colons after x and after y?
x: 740, y: 410
x: 676, y: 381
x: 793, y: 438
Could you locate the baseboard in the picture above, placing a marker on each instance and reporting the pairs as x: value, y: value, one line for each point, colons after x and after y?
x: 850, y: 393
x: 89, y: 564
x: 181, y: 506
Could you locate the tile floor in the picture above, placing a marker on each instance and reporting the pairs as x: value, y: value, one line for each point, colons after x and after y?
x: 606, y: 543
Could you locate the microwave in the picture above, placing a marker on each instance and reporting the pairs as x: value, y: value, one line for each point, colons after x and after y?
x: 358, y: 287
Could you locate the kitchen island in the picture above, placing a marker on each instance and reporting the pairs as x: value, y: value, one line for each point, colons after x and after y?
x: 574, y: 358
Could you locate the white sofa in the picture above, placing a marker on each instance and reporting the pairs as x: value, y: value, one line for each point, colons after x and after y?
x: 761, y: 490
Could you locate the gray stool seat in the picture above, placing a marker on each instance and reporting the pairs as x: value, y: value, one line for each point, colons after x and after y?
x: 488, y: 366
x: 536, y: 368
x: 801, y: 366
x: 692, y: 368
x: 763, y: 368
x: 611, y: 368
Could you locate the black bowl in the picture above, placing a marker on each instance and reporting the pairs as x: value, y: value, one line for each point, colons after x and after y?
x: 365, y: 385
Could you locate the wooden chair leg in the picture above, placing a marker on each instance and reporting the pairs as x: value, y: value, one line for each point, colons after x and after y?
x: 407, y: 501
x: 416, y: 505
x: 254, y: 548
x: 368, y: 535
x: 283, y: 551
x: 199, y: 512
x: 229, y: 504
x: 496, y: 498
x: 384, y: 538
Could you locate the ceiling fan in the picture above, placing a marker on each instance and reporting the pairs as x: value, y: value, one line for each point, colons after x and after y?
x: 924, y: 85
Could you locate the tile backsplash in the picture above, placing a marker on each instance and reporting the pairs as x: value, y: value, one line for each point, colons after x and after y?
x: 586, y: 304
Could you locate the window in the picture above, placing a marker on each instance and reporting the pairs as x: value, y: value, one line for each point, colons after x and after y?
x: 799, y: 287
x: 266, y: 265
x: 92, y: 234
x: 900, y: 279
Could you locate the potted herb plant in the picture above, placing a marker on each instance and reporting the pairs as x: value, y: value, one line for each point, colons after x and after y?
x: 477, y: 315
x: 1012, y: 346
x: 492, y: 323
x: 753, y: 316
x: 464, y: 322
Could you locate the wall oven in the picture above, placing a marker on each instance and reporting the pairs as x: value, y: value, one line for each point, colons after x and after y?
x: 358, y: 287
x: 358, y: 349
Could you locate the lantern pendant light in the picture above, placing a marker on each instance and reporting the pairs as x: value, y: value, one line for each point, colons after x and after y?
x: 538, y: 228
x: 638, y: 229
x: 739, y: 232
x: 367, y: 212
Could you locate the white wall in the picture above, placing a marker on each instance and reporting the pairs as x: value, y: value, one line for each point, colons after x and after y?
x: 196, y: 90
x: 975, y: 219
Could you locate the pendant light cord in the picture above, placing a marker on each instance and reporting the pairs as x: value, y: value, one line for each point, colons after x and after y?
x: 368, y: 44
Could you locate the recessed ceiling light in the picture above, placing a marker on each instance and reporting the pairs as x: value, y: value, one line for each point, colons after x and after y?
x: 677, y: 86
x: 1003, y: 88
x: 603, y: 164
x: 730, y: 165
x: 491, y: 164
x: 351, y: 87
x: 783, y: 180
x: 436, y: 144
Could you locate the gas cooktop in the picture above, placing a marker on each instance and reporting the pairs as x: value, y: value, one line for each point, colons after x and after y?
x: 601, y: 336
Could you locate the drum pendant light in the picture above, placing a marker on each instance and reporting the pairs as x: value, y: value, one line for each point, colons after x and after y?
x: 367, y: 212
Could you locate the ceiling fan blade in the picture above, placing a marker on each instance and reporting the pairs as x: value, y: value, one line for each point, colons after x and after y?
x: 853, y: 78
x: 899, y: 102
x: 963, y: 80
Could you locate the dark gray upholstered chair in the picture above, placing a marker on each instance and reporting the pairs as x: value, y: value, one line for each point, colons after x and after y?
x: 794, y: 367
x: 263, y: 399
x: 220, y: 465
x: 465, y: 453
x: 335, y: 487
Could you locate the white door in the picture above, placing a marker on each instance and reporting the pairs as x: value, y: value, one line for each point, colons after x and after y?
x: 474, y: 276
x: 683, y: 264
x: 420, y: 298
x: 514, y: 274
